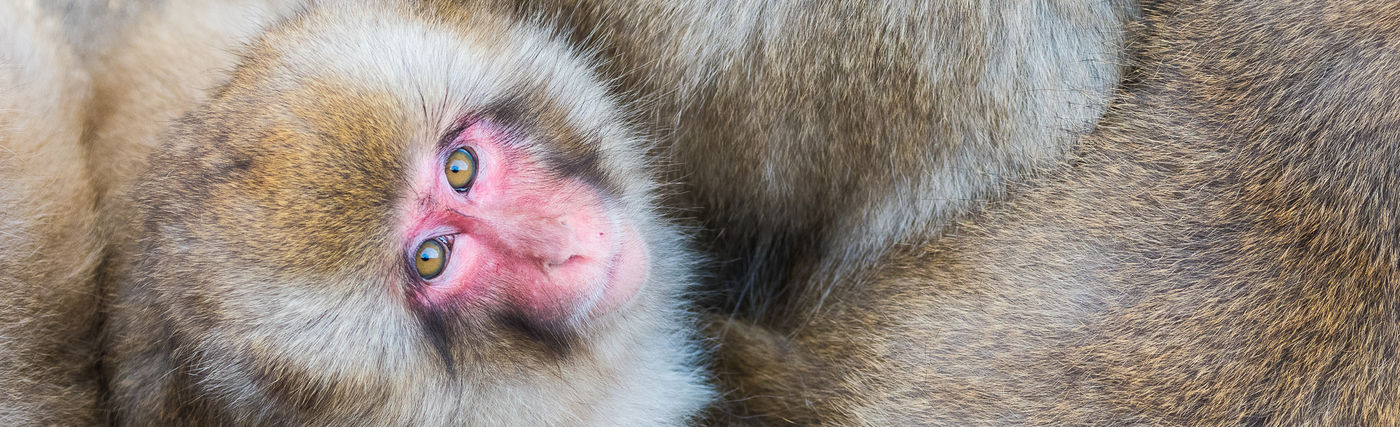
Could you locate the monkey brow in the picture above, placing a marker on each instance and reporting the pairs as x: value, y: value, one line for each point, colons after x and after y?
x: 452, y: 133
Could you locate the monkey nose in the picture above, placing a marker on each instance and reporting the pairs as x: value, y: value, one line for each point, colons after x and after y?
x: 563, y: 243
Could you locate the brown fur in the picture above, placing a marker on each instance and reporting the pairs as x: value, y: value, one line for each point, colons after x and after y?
x: 257, y: 284
x: 815, y: 138
x: 90, y: 26
x: 48, y: 248
x: 1221, y: 250
x: 816, y: 135
x: 162, y: 59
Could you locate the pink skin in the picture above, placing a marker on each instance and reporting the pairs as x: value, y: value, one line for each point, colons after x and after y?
x: 546, y: 247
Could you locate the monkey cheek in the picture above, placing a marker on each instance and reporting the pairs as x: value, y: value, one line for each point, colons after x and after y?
x: 630, y: 270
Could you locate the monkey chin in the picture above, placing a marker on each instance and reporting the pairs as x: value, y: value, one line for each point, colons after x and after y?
x: 521, y: 239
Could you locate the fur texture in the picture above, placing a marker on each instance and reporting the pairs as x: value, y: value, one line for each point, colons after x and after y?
x: 260, y: 286
x: 1220, y: 250
x: 48, y: 248
x: 813, y: 137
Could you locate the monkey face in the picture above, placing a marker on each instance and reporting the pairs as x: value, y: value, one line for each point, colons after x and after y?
x: 486, y: 222
x: 390, y: 218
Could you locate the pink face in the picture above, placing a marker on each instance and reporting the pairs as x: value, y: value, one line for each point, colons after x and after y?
x: 489, y: 226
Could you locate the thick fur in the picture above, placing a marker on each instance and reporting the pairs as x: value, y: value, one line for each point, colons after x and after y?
x: 162, y: 60
x: 1221, y: 250
x: 814, y: 136
x: 90, y: 25
x: 48, y: 247
x: 259, y: 287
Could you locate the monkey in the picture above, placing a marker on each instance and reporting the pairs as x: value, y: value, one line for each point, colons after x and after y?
x: 961, y: 143
x: 1220, y: 250
x: 1104, y: 292
x: 1031, y: 132
x: 924, y: 109
x: 910, y: 133
x: 48, y: 246
x: 384, y: 213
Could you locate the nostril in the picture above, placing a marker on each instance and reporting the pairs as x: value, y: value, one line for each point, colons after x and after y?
x: 562, y: 247
x: 562, y: 241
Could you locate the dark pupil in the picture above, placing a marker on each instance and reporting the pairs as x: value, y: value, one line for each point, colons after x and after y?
x: 456, y: 166
x: 429, y: 254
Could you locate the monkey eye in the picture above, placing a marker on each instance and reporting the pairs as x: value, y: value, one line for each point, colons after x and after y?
x: 460, y: 169
x: 430, y: 258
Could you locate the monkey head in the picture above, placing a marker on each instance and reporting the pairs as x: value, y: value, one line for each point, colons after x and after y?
x: 397, y: 216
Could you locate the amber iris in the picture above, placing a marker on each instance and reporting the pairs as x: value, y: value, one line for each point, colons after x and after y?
x: 430, y: 259
x: 460, y: 169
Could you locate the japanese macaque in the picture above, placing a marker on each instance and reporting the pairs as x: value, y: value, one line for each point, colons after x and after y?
x: 1221, y: 250
x: 263, y: 261
x: 385, y: 214
x: 48, y: 247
